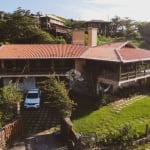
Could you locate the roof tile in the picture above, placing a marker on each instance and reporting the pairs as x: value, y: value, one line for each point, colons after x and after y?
x: 30, y: 51
x: 134, y: 54
x: 115, y: 51
x: 104, y: 52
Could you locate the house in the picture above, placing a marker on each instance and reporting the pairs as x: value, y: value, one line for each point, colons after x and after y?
x: 114, y: 64
x: 105, y: 28
x: 54, y: 24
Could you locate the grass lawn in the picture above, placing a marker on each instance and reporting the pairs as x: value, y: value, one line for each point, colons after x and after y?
x: 109, y: 121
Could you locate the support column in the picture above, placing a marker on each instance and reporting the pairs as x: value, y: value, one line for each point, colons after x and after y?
x: 2, y: 64
x: 28, y: 67
x: 52, y: 66
x: 135, y: 70
x: 120, y: 71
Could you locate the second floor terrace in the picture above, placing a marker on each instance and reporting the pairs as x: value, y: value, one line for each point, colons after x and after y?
x: 107, y: 72
x: 119, y: 73
x: 35, y: 67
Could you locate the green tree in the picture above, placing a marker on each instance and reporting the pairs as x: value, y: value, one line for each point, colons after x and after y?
x: 126, y: 29
x: 117, y: 26
x: 10, y: 94
x: 103, y: 39
x: 3, y: 31
x: 144, y: 30
x: 57, y: 96
x: 75, y: 23
x: 21, y: 27
x: 60, y: 40
x: 131, y: 29
x: 40, y: 37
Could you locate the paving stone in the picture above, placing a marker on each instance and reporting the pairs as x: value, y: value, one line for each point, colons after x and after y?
x: 39, y: 120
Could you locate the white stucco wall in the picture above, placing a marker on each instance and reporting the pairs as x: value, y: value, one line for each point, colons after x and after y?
x: 26, y: 83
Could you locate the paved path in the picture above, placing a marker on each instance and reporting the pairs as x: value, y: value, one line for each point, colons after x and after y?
x: 36, y: 121
x: 41, y: 131
x: 117, y: 106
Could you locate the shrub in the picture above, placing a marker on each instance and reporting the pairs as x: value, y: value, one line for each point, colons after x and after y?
x: 105, y: 99
x: 10, y: 94
x: 57, y: 96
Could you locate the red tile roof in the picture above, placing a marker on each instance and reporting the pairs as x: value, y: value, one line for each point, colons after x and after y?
x: 132, y: 54
x: 115, y: 51
x: 31, y: 51
x: 104, y: 52
x: 118, y: 52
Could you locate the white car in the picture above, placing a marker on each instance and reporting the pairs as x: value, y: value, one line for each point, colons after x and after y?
x: 32, y: 99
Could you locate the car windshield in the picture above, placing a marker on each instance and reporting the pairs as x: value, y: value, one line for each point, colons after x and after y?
x: 32, y: 95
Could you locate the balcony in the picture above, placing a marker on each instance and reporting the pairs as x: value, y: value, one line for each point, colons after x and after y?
x: 124, y: 77
x: 33, y: 72
x: 134, y: 76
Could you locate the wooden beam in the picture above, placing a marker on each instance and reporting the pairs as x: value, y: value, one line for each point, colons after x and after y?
x: 136, y: 70
x: 120, y: 71
x: 2, y: 64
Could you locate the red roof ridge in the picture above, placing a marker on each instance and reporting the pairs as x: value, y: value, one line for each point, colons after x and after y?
x: 119, y: 55
x: 121, y: 46
x: 125, y: 43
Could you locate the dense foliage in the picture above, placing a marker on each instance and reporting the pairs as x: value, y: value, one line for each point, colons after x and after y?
x: 10, y: 93
x: 21, y: 27
x: 10, y: 98
x: 75, y: 23
x: 56, y: 96
x: 144, y: 29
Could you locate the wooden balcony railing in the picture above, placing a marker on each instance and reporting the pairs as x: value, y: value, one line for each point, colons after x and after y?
x: 33, y: 71
x: 125, y: 76
x: 134, y: 74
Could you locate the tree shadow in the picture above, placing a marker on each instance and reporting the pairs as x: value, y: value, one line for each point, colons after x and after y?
x: 86, y: 104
